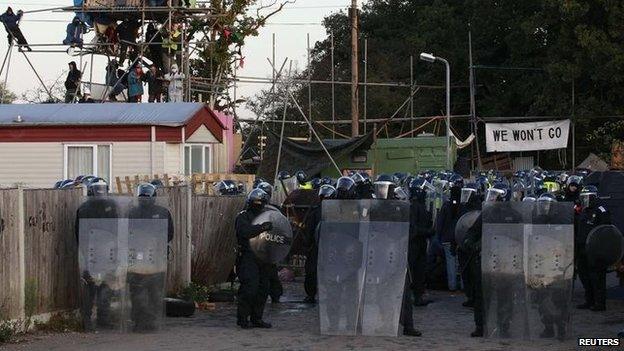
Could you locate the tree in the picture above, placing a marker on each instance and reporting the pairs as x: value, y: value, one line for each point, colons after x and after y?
x: 8, y: 96
x: 225, y: 36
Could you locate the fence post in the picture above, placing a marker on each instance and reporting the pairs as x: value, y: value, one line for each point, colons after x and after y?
x: 21, y: 239
x: 189, y: 234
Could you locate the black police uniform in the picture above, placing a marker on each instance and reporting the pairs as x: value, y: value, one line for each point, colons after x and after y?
x: 101, y: 295
x: 147, y: 288
x: 420, y: 230
x: 463, y: 256
x: 310, y: 242
x: 253, y: 274
x: 592, y: 277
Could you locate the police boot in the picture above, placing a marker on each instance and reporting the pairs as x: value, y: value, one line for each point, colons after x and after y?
x: 261, y: 324
x: 584, y: 306
x: 478, y: 333
x: 549, y: 332
x: 561, y: 332
x: 468, y: 303
x: 411, y: 332
x: 420, y: 302
x: 243, y: 323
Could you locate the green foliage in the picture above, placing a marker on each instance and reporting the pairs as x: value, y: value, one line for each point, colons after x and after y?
x: 9, y: 96
x: 8, y: 330
x: 566, y: 43
x: 196, y: 292
x: 222, y: 52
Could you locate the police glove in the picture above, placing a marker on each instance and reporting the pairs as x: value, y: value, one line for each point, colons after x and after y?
x: 266, y: 226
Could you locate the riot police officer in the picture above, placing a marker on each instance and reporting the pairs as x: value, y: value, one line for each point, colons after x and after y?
x: 445, y: 229
x: 420, y: 230
x: 499, y: 192
x: 363, y: 185
x: 252, y: 273
x: 470, y: 200
x: 146, y: 283
x: 345, y: 189
x: 572, y: 189
x: 312, y: 222
x: 97, y: 206
x: 592, y: 277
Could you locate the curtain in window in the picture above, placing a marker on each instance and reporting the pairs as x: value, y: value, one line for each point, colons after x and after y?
x: 103, y: 162
x: 79, y: 161
x: 197, y: 158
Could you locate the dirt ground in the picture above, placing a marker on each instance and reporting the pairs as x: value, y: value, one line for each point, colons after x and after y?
x: 445, y: 324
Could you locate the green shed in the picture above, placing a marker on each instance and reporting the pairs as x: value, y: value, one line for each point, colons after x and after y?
x: 410, y: 155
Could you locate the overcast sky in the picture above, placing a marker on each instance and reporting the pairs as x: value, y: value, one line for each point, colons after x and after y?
x: 291, y: 27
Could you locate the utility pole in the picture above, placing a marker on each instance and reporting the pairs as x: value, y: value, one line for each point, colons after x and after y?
x: 355, y: 130
x: 473, y: 106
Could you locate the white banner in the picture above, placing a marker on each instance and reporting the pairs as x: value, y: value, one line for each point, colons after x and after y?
x: 529, y: 136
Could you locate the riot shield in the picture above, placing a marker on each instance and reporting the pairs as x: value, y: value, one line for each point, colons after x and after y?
x: 465, y: 222
x: 103, y: 252
x: 340, y: 267
x: 549, y: 269
x: 604, y: 246
x: 274, y: 245
x: 502, y: 268
x: 148, y: 229
x: 386, y: 265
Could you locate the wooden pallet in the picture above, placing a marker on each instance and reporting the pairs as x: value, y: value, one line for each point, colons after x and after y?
x: 128, y: 184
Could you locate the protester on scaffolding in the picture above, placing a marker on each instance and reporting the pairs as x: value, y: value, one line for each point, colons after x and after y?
x: 154, y: 80
x: 154, y: 37
x: 11, y: 24
x: 170, y: 46
x: 72, y: 83
x: 135, y: 84
x: 128, y: 32
x: 75, y: 30
x: 114, y: 80
x: 176, y: 83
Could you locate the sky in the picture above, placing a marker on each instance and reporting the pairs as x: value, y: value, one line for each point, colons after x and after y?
x: 291, y: 27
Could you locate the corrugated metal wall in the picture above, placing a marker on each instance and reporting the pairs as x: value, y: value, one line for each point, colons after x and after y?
x: 523, y: 163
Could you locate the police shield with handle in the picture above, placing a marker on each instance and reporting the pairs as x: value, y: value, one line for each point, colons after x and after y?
x: 340, y: 262
x: 592, y: 274
x: 100, y: 245
x: 549, y: 267
x: 470, y: 209
x: 253, y: 265
x: 150, y: 228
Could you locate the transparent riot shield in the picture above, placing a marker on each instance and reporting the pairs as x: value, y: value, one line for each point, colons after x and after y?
x: 274, y: 245
x: 340, y: 267
x: 148, y: 229
x: 604, y: 246
x: 103, y: 252
x: 464, y: 223
x: 502, y: 252
x: 386, y: 265
x: 549, y: 269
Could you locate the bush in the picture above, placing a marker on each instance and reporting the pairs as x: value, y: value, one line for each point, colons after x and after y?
x: 196, y: 292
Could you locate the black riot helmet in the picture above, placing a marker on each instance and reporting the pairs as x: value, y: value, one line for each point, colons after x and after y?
x: 469, y: 193
x: 326, y: 192
x: 301, y: 177
x: 225, y: 188
x: 57, y: 185
x: 87, y: 179
x: 545, y: 204
x: 345, y: 188
x: 456, y: 181
x: 358, y: 178
x: 69, y: 185
x: 385, y: 178
x: 326, y: 181
x: 400, y: 194
x: 283, y: 175
x: 157, y: 183
x: 97, y: 187
x: 589, y: 196
x: 417, y: 188
x: 257, y: 199
x: 146, y: 190
x: 267, y: 188
x: 316, y: 183
x: 498, y: 192
x: 257, y: 181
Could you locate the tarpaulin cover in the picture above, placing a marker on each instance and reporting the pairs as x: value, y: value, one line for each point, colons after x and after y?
x: 306, y: 156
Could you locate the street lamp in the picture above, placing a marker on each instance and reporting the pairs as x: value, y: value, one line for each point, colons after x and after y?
x: 431, y: 58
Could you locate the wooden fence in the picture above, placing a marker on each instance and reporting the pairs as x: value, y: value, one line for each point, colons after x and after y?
x: 39, y: 255
x: 201, y: 182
